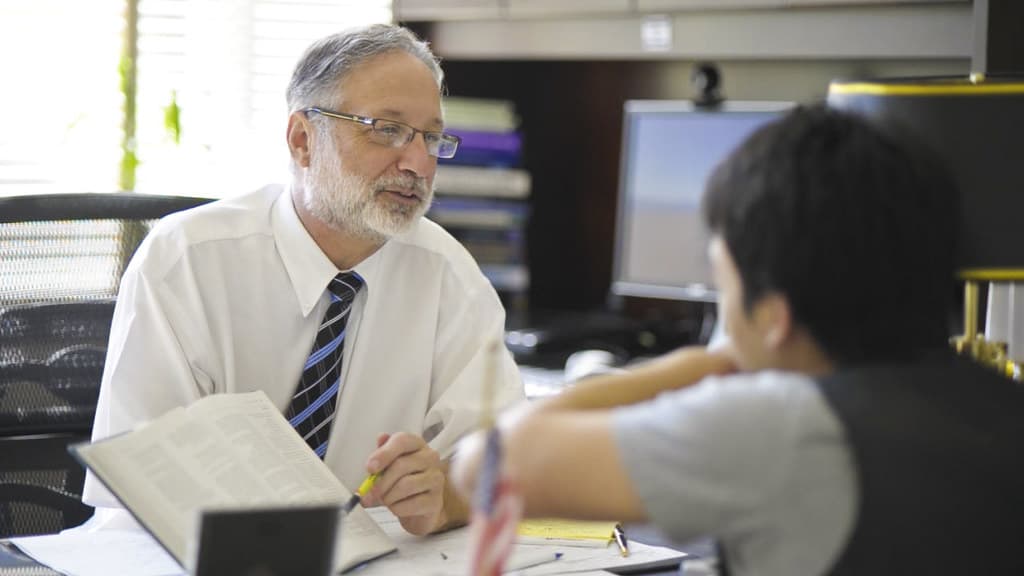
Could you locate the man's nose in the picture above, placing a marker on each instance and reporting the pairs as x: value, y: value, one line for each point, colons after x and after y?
x: 415, y: 157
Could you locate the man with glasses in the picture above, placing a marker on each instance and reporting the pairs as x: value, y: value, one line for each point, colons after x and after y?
x: 275, y: 289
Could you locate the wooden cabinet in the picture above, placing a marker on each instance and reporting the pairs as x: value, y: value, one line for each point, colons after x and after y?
x: 672, y: 5
x: 455, y: 10
x: 868, y: 2
x: 559, y: 8
x: 906, y: 30
x: 426, y: 10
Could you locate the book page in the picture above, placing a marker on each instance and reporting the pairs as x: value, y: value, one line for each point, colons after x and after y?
x: 224, y: 451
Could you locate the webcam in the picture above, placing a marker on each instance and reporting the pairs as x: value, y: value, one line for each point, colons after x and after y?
x: 706, y: 81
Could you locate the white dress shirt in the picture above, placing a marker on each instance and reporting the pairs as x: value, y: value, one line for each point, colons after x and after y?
x: 228, y: 297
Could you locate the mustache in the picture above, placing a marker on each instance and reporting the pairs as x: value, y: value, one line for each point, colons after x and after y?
x: 403, y: 181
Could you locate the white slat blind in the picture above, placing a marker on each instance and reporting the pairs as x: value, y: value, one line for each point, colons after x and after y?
x: 225, y: 62
x: 228, y: 63
x: 60, y: 105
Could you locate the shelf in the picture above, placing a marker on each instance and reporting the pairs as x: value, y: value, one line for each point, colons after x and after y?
x: 822, y: 30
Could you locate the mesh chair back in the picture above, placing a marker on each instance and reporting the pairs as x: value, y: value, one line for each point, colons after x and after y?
x: 61, y: 260
x: 51, y: 361
x: 73, y: 247
x: 41, y: 491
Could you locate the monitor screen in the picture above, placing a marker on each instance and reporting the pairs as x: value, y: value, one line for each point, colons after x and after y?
x: 669, y: 149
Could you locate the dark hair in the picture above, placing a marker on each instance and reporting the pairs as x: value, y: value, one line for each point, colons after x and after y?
x: 855, y: 226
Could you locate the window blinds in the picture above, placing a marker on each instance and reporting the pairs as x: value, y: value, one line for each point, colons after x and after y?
x: 225, y: 64
x: 60, y: 105
x: 215, y: 69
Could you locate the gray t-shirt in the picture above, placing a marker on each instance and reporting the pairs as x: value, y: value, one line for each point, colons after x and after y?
x: 758, y: 461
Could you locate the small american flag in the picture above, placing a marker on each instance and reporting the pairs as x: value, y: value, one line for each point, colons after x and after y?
x: 497, y: 508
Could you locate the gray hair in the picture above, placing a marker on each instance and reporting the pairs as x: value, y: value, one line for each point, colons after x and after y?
x: 329, y: 60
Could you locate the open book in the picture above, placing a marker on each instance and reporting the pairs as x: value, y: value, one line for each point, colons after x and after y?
x: 224, y: 451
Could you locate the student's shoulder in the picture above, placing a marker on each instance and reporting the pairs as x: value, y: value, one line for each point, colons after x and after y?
x: 768, y: 385
x: 747, y: 398
x: 790, y: 399
x: 760, y: 386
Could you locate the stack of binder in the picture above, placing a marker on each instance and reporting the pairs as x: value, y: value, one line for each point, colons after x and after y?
x: 482, y: 195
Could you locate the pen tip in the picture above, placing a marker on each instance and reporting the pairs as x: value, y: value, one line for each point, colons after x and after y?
x: 351, y: 504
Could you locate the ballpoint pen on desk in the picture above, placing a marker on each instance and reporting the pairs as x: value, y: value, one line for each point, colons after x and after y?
x: 363, y: 489
x: 530, y: 559
x: 620, y: 539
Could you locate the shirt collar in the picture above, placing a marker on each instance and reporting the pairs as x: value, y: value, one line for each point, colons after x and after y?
x: 309, y: 269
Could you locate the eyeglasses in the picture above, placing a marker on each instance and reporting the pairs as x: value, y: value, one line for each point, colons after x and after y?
x: 396, y: 134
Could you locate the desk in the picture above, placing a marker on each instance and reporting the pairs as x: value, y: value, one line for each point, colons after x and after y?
x: 539, y: 382
x: 14, y: 563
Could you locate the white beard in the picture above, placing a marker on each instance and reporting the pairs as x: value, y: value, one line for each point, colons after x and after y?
x: 349, y: 203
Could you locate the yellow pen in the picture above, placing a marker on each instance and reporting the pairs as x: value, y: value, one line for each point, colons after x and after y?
x: 365, y: 487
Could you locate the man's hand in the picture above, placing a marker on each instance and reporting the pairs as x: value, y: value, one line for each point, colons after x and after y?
x: 413, y: 484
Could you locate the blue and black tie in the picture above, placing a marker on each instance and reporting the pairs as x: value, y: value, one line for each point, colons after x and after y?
x: 312, y: 408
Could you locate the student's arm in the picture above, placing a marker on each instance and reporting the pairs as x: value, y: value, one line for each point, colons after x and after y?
x: 678, y: 369
x: 568, y: 465
x: 562, y: 451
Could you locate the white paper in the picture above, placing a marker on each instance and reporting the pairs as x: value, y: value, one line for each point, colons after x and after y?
x: 447, y: 554
x: 80, y: 553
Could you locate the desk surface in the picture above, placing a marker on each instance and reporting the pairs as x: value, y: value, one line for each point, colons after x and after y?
x: 539, y: 382
x: 14, y: 563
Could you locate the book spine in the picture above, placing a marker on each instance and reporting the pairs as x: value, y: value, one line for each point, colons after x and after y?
x: 507, y: 142
x: 478, y: 217
x: 480, y: 114
x: 458, y: 180
x: 484, y: 158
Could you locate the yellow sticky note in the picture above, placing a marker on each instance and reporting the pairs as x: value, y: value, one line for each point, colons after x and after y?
x: 557, y: 528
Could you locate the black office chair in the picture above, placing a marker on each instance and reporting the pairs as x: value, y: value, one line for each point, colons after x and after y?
x: 61, y: 260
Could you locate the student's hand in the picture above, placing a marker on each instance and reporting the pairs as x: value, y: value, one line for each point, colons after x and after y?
x: 413, y: 484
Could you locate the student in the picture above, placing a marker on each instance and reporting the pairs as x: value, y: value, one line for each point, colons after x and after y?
x: 335, y: 280
x: 834, y: 433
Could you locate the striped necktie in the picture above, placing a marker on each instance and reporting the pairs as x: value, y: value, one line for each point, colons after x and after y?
x: 312, y: 408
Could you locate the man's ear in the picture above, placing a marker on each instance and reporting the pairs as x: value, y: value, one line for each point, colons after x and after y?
x: 299, y: 138
x: 774, y: 319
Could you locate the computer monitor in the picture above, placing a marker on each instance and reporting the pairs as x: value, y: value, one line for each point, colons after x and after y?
x: 669, y: 149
